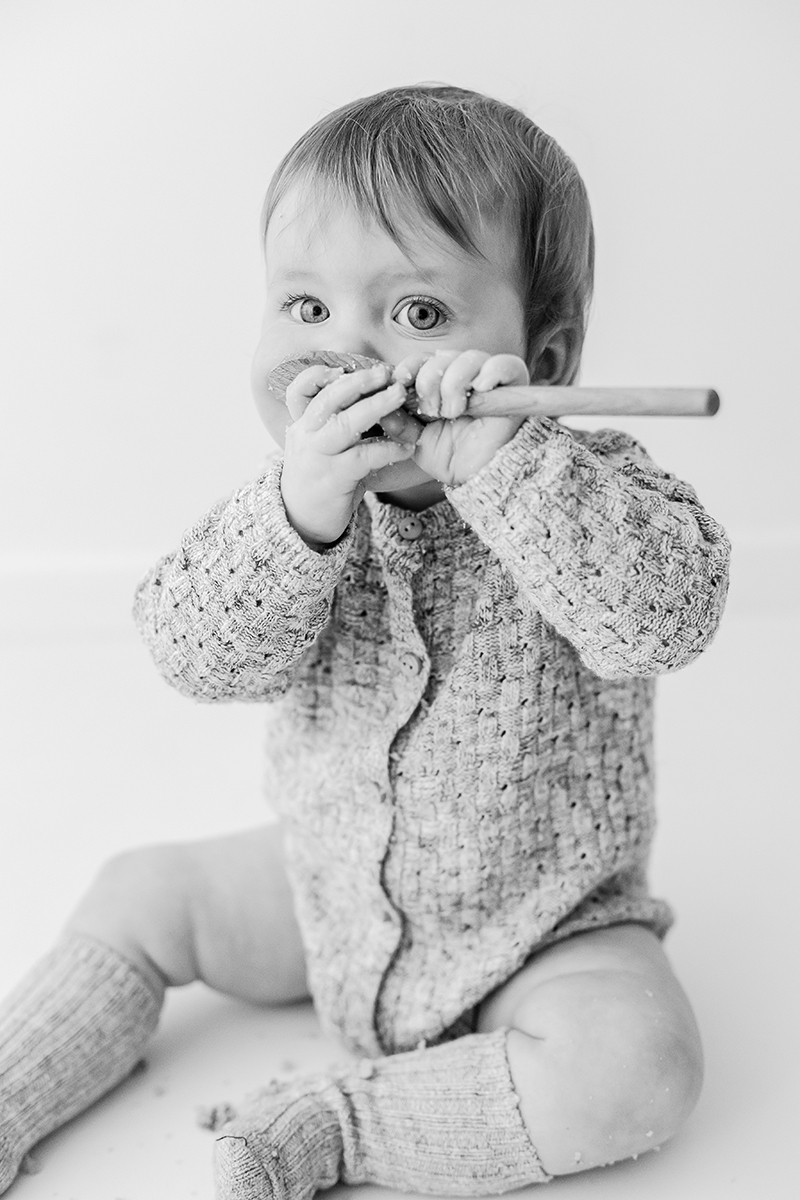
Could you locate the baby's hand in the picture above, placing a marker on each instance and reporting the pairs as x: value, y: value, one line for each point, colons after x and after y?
x: 444, y: 381
x: 325, y: 458
x: 454, y: 446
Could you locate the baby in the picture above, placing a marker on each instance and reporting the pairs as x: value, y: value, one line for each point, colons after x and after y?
x: 456, y: 623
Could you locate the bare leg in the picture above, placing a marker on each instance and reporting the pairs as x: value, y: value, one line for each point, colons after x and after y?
x: 603, y: 1047
x: 219, y: 910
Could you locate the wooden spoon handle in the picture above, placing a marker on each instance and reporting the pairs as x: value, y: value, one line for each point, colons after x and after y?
x: 594, y: 401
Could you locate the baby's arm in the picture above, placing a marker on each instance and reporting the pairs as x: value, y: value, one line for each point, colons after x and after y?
x: 616, y: 554
x: 230, y: 613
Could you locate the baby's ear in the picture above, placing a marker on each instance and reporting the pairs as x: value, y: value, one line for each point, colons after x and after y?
x: 555, y: 356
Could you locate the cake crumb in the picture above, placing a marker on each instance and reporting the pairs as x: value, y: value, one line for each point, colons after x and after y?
x: 214, y: 1116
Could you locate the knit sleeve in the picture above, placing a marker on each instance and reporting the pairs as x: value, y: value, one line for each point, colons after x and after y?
x: 232, y: 611
x: 616, y: 554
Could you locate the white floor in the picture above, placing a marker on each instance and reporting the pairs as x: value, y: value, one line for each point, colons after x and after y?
x: 98, y: 754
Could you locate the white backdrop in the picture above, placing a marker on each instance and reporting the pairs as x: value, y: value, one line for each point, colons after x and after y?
x: 136, y: 141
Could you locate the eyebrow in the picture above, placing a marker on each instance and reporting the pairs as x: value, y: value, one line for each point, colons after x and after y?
x: 430, y: 276
x: 295, y: 275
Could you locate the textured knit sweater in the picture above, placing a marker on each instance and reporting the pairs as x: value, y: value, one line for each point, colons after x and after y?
x: 460, y: 732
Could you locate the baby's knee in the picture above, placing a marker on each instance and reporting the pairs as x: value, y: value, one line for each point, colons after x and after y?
x: 623, y: 1061
x: 655, y: 1062
x: 140, y: 903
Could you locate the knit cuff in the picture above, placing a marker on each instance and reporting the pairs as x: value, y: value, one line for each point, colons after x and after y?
x: 288, y: 549
x: 490, y: 489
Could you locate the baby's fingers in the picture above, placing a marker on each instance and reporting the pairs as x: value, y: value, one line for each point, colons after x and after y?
x: 402, y: 427
x: 344, y: 391
x: 501, y: 370
x: 346, y: 427
x: 365, y: 458
x: 408, y: 368
x: 458, y: 382
x: 428, y: 381
x: 308, y: 384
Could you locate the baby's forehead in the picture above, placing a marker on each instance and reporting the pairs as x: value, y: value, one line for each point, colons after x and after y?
x: 310, y: 208
x: 308, y: 217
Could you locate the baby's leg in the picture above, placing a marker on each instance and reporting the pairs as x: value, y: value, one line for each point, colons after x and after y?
x: 603, y: 1047
x: 218, y: 910
x: 165, y: 915
x: 589, y: 1055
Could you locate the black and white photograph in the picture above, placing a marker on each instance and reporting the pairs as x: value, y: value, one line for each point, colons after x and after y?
x: 399, y: 599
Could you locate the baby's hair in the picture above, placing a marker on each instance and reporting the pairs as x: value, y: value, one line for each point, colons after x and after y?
x: 458, y: 158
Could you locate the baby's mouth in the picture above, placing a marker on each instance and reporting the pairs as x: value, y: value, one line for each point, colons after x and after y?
x: 374, y: 431
x: 281, y: 376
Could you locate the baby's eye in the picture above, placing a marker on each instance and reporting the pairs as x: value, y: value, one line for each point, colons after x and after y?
x: 421, y: 314
x: 307, y: 309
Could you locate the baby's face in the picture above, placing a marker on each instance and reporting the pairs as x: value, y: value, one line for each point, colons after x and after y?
x: 336, y: 281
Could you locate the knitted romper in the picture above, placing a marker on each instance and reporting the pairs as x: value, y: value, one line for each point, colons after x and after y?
x: 460, y: 716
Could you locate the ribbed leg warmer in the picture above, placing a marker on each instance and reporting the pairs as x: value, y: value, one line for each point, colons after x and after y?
x: 72, y: 1029
x: 444, y: 1121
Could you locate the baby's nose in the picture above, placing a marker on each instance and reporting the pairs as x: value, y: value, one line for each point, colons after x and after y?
x: 353, y: 342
